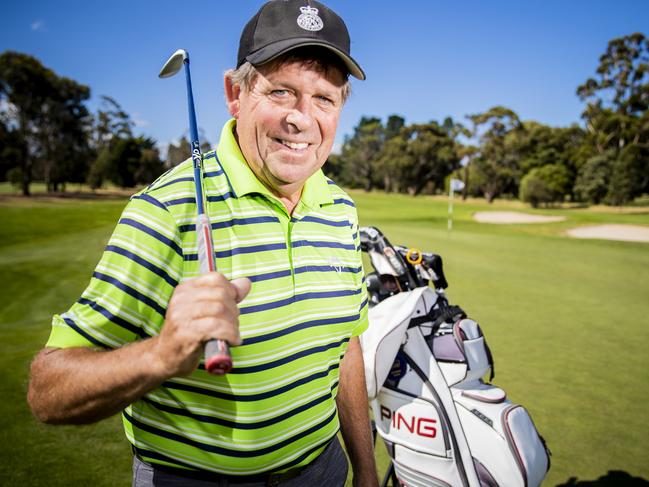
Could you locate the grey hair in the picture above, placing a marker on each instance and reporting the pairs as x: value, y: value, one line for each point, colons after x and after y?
x: 245, y: 75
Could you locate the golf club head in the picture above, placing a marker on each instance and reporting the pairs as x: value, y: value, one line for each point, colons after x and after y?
x: 174, y: 63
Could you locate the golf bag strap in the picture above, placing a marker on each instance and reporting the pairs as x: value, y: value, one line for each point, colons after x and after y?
x: 444, y: 415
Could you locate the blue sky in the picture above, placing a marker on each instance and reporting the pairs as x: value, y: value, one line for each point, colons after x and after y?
x: 424, y: 60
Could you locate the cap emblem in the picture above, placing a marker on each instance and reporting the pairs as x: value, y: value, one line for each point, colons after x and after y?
x: 309, y: 19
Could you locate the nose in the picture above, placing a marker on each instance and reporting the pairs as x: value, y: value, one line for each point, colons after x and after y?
x: 300, y: 116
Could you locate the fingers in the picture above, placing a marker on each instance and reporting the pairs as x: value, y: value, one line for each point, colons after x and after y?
x: 242, y: 285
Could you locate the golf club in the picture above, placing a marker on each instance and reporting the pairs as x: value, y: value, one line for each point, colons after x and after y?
x: 218, y: 360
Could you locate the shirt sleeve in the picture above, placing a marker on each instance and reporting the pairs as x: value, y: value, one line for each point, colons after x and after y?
x: 128, y: 293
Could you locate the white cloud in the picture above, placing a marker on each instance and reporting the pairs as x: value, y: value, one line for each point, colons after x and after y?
x: 138, y: 122
x: 38, y: 25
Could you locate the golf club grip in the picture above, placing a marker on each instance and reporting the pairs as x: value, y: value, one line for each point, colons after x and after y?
x: 218, y: 360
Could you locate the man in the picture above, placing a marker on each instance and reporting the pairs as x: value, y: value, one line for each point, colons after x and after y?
x: 289, y: 295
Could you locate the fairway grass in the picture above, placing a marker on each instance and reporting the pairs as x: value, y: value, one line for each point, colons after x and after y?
x: 567, y: 321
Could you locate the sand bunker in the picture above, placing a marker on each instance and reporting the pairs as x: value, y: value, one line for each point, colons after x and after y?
x: 509, y: 217
x: 629, y: 233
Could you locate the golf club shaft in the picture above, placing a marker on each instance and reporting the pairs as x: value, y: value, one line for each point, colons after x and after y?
x: 218, y: 359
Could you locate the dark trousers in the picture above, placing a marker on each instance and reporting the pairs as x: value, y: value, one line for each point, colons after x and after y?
x: 328, y: 470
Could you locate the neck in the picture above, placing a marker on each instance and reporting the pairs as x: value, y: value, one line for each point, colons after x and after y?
x: 289, y: 200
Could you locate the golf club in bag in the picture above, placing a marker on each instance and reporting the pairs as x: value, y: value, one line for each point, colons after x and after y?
x: 218, y: 360
x: 443, y: 425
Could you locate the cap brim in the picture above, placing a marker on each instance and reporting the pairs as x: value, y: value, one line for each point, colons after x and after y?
x: 270, y: 52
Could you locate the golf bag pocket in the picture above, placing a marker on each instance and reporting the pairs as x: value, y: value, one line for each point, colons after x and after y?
x: 474, y: 347
x: 502, y: 437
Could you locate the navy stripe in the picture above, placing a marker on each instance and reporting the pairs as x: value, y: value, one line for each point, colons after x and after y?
x: 330, y: 223
x: 251, y: 250
x: 298, y: 327
x: 285, y: 360
x: 150, y: 231
x: 181, y: 201
x: 83, y: 333
x: 144, y: 263
x: 300, y: 270
x: 332, y: 245
x: 227, y: 451
x: 150, y: 199
x: 220, y: 197
x: 298, y: 297
x: 211, y: 174
x: 210, y: 155
x: 326, y: 268
x: 192, y: 199
x: 130, y: 291
x: 203, y: 418
x: 245, y: 221
x: 250, y: 397
x: 344, y: 202
x: 177, y: 180
x: 241, y: 250
x: 329, y: 181
x: 234, y: 221
x: 364, y: 303
x: 113, y: 318
x: 270, y: 275
x: 265, y: 306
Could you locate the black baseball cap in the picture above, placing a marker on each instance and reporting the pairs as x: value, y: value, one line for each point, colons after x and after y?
x: 282, y: 25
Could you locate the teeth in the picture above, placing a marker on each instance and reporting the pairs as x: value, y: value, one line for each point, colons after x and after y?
x: 295, y: 145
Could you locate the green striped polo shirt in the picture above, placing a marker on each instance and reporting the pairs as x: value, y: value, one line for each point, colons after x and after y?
x: 276, y: 409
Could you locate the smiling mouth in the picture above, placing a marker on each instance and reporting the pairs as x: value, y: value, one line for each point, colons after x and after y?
x: 295, y: 146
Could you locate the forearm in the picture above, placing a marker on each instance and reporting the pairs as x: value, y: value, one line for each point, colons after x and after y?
x: 84, y: 385
x: 354, y: 417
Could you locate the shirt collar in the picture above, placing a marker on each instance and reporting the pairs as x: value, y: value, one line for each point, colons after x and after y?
x: 243, y: 181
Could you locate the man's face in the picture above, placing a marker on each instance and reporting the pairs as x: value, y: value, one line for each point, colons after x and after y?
x: 286, y: 122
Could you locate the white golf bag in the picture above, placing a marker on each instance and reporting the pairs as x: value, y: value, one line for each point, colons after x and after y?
x: 424, y: 366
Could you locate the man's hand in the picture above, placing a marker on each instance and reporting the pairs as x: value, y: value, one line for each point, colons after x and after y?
x: 199, y: 310
x: 84, y: 385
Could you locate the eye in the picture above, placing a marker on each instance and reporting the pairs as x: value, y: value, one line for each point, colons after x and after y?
x: 279, y: 93
x: 326, y: 100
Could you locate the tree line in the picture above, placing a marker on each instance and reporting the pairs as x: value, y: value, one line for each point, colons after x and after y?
x: 496, y: 154
x: 47, y: 133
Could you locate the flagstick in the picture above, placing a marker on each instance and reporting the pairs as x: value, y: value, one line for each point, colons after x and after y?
x: 450, y: 210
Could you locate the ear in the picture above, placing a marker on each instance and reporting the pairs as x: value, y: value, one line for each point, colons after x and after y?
x: 232, y: 94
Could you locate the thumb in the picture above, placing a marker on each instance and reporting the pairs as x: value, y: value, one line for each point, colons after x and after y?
x: 242, y: 286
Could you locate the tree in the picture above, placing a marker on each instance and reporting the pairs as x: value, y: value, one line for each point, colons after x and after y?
x: 111, y: 122
x: 431, y: 155
x: 126, y: 163
x: 12, y: 151
x: 495, y: 169
x: 617, y: 119
x: 546, y: 184
x: 361, y: 153
x: 623, y: 72
x: 593, y: 179
x: 47, y: 114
